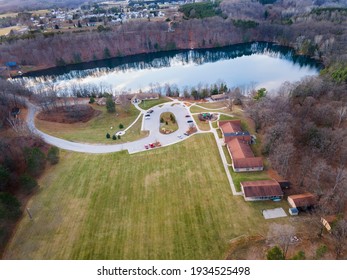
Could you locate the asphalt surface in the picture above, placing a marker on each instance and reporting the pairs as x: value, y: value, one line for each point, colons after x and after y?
x: 152, y: 125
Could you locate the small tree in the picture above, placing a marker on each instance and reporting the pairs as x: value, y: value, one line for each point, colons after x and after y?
x: 91, y: 100
x: 53, y: 155
x: 114, y: 137
x: 275, y: 253
x: 4, y: 177
x: 35, y: 160
x: 28, y: 183
x: 161, y: 120
x: 172, y: 117
x: 108, y: 136
x: 299, y: 256
x: 121, y: 126
x: 110, y: 105
x: 118, y: 136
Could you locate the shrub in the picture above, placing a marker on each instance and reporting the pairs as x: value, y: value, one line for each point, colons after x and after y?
x: 320, y: 252
x: 114, y: 137
x: 9, y: 206
x: 108, y: 136
x: 91, y: 100
x: 161, y: 120
x: 28, y: 183
x: 275, y: 253
x: 53, y: 155
x: 35, y: 160
x: 118, y: 136
x: 110, y: 105
x: 4, y: 177
x: 299, y: 256
x: 121, y: 126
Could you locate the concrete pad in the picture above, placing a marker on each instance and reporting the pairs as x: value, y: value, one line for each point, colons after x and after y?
x: 274, y: 213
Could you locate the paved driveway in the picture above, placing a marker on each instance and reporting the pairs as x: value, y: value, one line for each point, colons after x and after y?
x: 152, y: 125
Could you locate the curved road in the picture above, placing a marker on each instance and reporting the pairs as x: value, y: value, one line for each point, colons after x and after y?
x: 152, y: 125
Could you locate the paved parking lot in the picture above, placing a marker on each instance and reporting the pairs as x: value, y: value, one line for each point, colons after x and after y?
x: 152, y: 125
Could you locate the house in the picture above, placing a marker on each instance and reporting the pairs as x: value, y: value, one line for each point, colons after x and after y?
x: 302, y: 201
x: 138, y: 97
x: 242, y: 156
x: 261, y: 190
x: 232, y: 129
x: 219, y: 97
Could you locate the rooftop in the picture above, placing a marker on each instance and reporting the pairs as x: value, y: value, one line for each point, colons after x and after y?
x: 261, y: 188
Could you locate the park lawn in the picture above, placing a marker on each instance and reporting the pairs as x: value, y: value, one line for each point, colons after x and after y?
x: 247, y: 176
x: 168, y: 203
x: 212, y: 105
x: 94, y: 131
x: 195, y: 109
x: 223, y: 117
x: 168, y: 125
x: 147, y: 104
x: 205, y: 126
x: 6, y: 30
x: 227, y: 155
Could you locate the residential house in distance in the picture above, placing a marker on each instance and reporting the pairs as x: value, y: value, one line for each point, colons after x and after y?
x: 237, y: 142
x: 139, y: 97
x: 219, y: 97
x: 261, y: 190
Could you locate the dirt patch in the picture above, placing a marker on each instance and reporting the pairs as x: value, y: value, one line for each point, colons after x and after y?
x: 69, y: 114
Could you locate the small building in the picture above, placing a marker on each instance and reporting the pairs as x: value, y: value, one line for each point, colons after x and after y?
x: 302, y: 201
x: 261, y: 190
x: 242, y: 156
x: 219, y: 97
x: 11, y: 64
x: 232, y: 129
x: 293, y: 211
x: 138, y: 97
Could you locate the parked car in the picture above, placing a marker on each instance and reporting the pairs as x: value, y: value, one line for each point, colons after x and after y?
x: 186, y: 134
x: 150, y: 112
x: 180, y: 136
x: 152, y: 145
x: 187, y: 116
x: 147, y: 117
x: 146, y: 147
x: 190, y: 121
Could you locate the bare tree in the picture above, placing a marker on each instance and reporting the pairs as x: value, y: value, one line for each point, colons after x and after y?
x: 281, y: 235
x: 339, y: 234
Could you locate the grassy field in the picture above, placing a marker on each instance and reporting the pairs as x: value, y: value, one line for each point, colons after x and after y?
x: 146, y: 104
x: 94, y: 131
x: 195, y: 109
x: 212, y: 105
x: 139, y: 206
x: 205, y: 126
x: 247, y: 176
x: 6, y: 30
x: 168, y: 125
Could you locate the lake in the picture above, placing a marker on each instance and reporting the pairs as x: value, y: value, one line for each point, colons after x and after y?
x: 254, y: 64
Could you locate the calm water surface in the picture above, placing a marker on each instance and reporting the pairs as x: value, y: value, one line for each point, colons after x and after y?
x: 257, y: 64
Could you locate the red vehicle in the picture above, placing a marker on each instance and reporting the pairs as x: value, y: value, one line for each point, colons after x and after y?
x: 152, y: 145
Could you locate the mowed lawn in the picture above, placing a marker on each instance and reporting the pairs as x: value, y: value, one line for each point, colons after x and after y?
x: 168, y: 203
x: 95, y: 130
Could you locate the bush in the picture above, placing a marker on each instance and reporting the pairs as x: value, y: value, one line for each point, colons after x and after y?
x: 91, y: 100
x: 108, y: 136
x: 4, y: 177
x: 275, y: 253
x: 110, y: 105
x: 121, y: 126
x: 35, y: 160
x: 28, y: 183
x: 114, y: 137
x: 118, y: 136
x: 53, y: 155
x: 9, y: 206
x: 320, y: 252
x: 161, y: 120
x: 299, y: 256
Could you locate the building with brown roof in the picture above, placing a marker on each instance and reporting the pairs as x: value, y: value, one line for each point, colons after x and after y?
x: 232, y: 129
x: 242, y: 156
x: 261, y: 190
x: 219, y: 97
x: 302, y: 201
